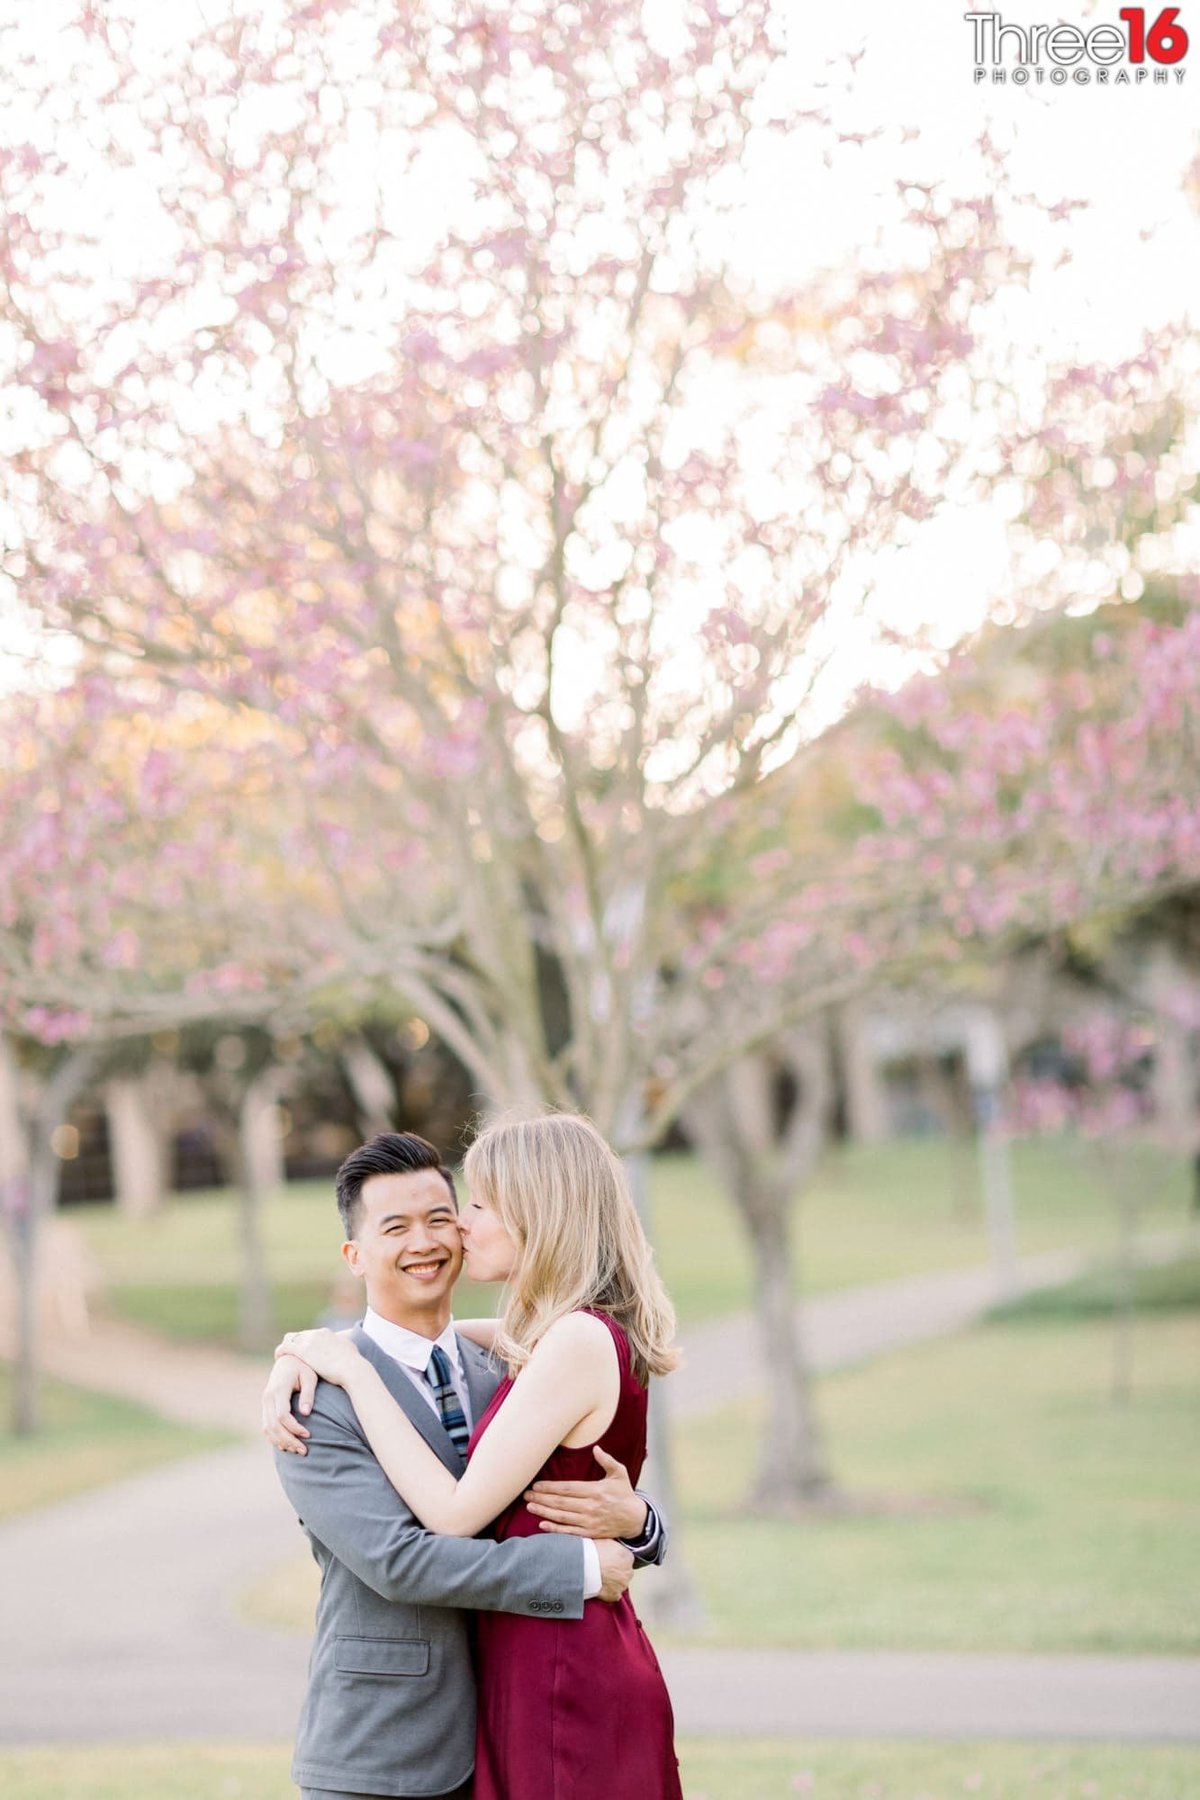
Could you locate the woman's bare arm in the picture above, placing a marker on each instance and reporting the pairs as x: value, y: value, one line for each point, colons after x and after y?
x: 483, y: 1332
x: 572, y: 1375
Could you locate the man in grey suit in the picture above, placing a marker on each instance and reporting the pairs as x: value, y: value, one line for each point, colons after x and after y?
x: 390, y: 1707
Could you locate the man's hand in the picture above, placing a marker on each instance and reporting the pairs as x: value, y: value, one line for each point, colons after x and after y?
x: 280, y: 1426
x: 616, y: 1569
x: 595, y: 1509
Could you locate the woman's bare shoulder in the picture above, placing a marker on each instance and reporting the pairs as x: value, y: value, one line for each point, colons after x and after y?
x: 577, y: 1336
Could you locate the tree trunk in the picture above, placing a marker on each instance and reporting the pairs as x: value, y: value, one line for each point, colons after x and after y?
x: 987, y: 1069
x: 1123, y: 1308
x: 966, y: 1200
x: 1173, y: 1074
x: 862, y: 1089
x: 15, y: 1148
x: 948, y: 1093
x: 41, y: 1193
x: 763, y: 1162
x: 14, y: 1166
x: 259, y: 1173
x: 996, y: 1167
x: 792, y: 1464
x: 34, y: 1191
x: 26, y: 1411
x: 371, y: 1085
x: 136, y: 1145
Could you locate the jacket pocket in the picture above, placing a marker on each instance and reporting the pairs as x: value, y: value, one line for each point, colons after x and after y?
x: 381, y: 1656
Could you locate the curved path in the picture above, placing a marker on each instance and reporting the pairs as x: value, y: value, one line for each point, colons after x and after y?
x: 119, y: 1605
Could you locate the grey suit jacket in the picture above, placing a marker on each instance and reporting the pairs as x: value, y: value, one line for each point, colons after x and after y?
x: 390, y: 1707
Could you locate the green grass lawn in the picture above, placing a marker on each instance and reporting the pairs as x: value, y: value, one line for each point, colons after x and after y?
x: 877, y: 1212
x: 1171, y: 1287
x: 1027, y: 1511
x: 1056, y: 1520
x: 872, y: 1213
x: 207, y: 1312
x: 713, y: 1769
x: 88, y: 1440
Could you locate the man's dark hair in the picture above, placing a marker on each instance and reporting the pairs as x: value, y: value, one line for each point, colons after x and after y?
x: 391, y: 1153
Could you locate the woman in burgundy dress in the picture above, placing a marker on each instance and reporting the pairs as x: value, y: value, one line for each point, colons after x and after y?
x: 568, y: 1709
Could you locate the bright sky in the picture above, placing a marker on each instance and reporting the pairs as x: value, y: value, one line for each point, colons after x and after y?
x: 1135, y: 252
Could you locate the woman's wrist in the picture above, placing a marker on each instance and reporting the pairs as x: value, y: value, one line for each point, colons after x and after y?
x: 639, y: 1517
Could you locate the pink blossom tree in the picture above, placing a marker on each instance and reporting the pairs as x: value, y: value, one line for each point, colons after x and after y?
x: 540, y: 586
x: 511, y: 538
x: 135, y: 896
x: 1034, y: 797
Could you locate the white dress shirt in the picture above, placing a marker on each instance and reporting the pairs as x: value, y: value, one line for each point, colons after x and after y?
x: 412, y: 1352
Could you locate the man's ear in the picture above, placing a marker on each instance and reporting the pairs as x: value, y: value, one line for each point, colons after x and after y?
x: 351, y: 1254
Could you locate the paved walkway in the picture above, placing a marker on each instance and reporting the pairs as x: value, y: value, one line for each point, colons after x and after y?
x: 723, y: 1360
x: 120, y: 1624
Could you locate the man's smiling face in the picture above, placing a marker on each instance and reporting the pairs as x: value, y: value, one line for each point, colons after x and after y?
x: 407, y: 1248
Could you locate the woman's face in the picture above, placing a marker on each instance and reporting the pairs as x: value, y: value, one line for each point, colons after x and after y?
x: 491, y: 1254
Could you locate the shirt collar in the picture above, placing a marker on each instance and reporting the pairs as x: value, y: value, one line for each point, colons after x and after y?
x: 409, y: 1347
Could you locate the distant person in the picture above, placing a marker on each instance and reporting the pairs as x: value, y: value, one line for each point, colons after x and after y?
x: 345, y: 1305
x: 390, y: 1709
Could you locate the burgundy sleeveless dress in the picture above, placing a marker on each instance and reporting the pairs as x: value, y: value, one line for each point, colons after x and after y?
x: 574, y: 1709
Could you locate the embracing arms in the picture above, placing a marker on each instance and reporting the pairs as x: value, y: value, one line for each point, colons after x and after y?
x: 575, y: 1506
x: 570, y: 1384
x: 345, y: 1501
x: 608, y: 1507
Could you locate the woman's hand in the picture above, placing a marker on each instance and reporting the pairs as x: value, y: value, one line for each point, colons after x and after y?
x: 332, y: 1355
x: 595, y: 1509
x: 280, y: 1426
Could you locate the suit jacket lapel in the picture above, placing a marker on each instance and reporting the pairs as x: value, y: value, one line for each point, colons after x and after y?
x: 483, y: 1376
x: 419, y: 1411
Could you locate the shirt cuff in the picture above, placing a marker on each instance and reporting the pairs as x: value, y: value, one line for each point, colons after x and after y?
x: 591, y: 1570
x: 645, y: 1543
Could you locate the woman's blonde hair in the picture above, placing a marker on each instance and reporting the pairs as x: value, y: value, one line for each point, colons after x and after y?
x: 562, y: 1196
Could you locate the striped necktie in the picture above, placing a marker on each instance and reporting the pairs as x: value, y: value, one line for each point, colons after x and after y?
x: 450, y: 1412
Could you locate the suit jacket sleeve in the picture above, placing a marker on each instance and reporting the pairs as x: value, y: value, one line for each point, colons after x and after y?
x: 346, y: 1502
x: 649, y: 1550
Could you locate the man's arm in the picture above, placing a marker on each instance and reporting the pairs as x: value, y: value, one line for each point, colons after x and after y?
x: 650, y: 1549
x: 606, y: 1507
x: 345, y: 1500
